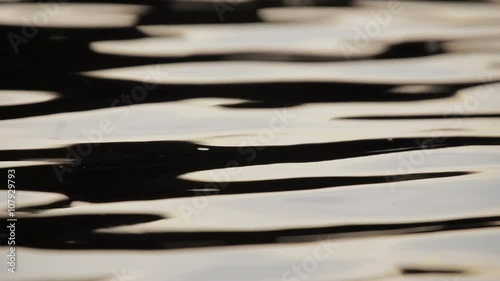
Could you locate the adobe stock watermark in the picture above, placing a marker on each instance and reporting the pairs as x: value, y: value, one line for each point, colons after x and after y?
x: 456, y: 113
x: 249, y: 147
x: 107, y: 126
x: 305, y: 269
x: 30, y: 29
x: 371, y: 29
x: 222, y: 7
x: 124, y: 275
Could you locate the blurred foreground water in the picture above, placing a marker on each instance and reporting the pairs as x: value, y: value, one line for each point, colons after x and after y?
x: 251, y: 140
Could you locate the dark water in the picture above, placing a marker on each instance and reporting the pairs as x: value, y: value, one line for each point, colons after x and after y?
x: 251, y: 140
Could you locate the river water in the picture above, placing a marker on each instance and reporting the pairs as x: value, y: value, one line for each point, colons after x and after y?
x: 250, y: 140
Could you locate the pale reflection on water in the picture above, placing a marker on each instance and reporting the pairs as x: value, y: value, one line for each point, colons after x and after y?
x: 261, y: 140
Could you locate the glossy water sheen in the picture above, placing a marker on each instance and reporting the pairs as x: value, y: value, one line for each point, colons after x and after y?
x: 253, y: 150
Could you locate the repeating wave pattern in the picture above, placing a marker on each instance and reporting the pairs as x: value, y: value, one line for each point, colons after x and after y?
x: 251, y: 139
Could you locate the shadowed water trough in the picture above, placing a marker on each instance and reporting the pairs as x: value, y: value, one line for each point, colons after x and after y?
x: 250, y: 140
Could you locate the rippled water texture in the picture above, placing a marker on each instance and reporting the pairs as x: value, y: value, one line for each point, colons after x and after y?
x: 251, y: 140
